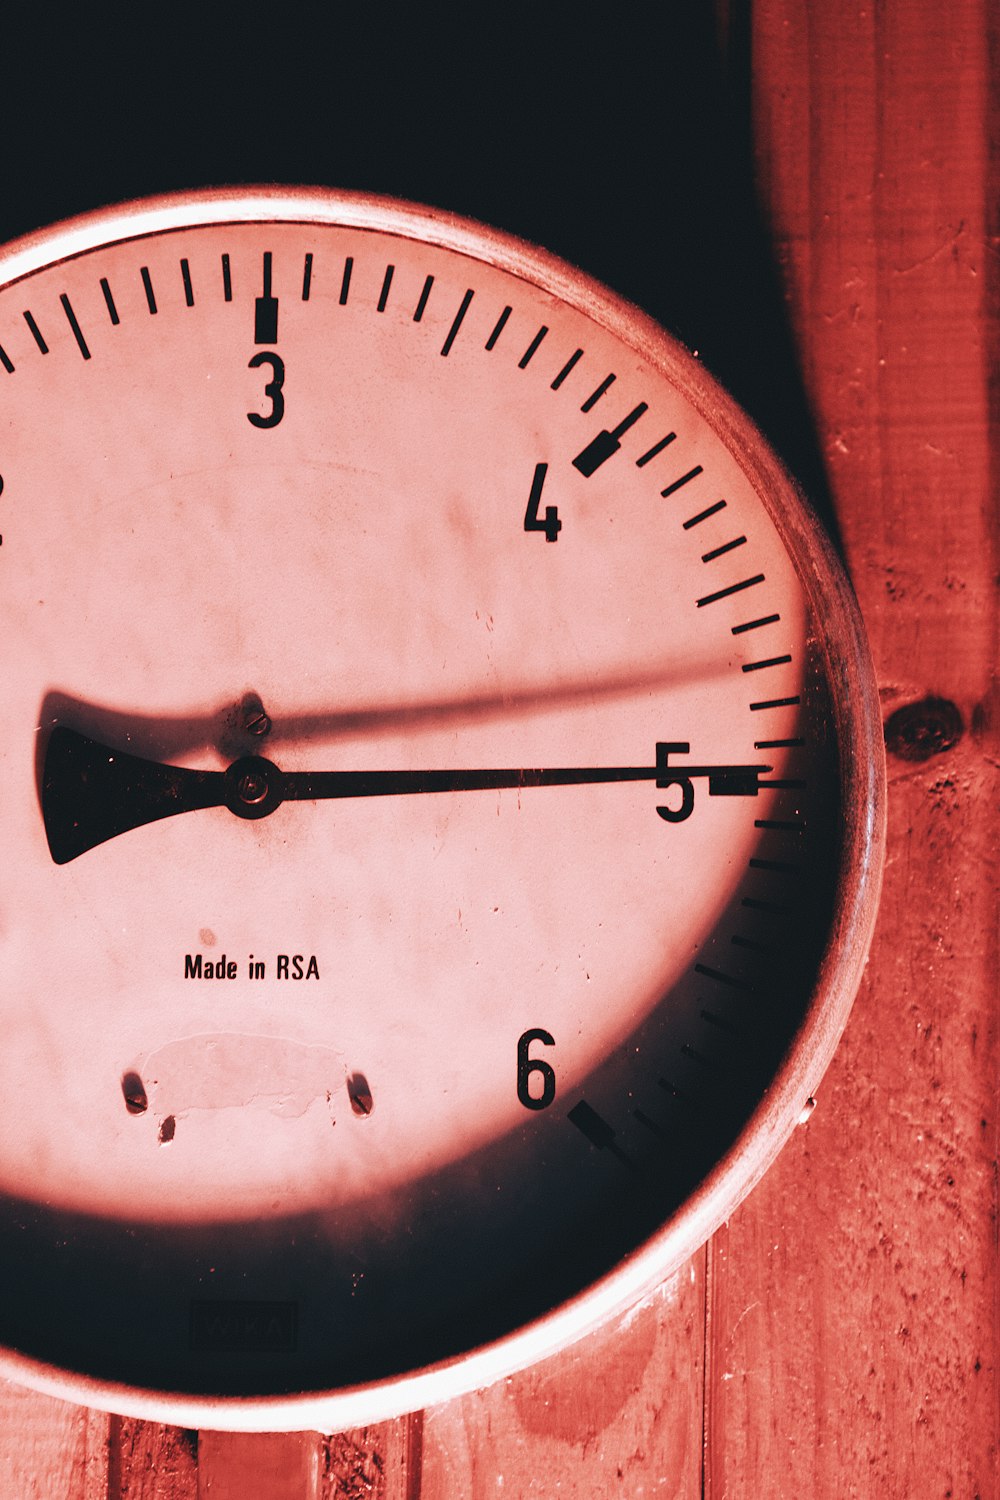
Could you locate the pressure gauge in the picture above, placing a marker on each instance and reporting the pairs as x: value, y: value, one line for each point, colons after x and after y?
x: 441, y: 802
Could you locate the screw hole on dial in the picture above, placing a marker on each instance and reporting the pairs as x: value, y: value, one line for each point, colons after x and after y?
x: 134, y: 1092
x: 918, y: 731
x: 256, y: 719
x: 244, y: 719
x: 360, y: 1094
x: 168, y: 1129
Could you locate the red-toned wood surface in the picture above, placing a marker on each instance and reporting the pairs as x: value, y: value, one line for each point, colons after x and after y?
x: 839, y: 1336
x: 853, y: 1317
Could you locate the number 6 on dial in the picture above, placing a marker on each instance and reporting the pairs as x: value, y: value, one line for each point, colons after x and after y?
x: 527, y: 1065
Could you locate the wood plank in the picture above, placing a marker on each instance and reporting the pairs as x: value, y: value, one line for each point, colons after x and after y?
x: 259, y: 1466
x: 148, y: 1461
x: 50, y: 1448
x: 853, y: 1327
x: 379, y: 1462
x: 618, y: 1414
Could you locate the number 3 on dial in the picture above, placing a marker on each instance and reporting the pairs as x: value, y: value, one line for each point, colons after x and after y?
x: 272, y: 389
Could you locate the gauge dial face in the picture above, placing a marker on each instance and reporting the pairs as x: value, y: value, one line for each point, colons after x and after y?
x: 423, y: 798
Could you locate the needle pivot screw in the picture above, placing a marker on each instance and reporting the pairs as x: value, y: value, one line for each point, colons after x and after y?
x: 253, y: 787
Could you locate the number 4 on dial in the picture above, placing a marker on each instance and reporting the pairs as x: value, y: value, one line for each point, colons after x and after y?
x: 551, y: 525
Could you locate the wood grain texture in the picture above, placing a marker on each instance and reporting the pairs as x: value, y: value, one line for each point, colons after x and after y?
x: 379, y: 1462
x: 853, y: 1329
x: 49, y: 1448
x: 620, y: 1414
x: 147, y: 1461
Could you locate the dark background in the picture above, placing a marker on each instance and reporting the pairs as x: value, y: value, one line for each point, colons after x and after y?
x: 615, y: 136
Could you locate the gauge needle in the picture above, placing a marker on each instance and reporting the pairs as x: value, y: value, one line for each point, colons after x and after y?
x: 92, y: 792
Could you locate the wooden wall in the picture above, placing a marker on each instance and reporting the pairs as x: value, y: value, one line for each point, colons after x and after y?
x: 839, y: 1336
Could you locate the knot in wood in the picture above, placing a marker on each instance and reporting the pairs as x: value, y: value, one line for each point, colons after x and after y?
x: 918, y: 731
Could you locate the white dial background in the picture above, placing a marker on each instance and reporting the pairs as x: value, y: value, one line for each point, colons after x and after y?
x: 354, y: 565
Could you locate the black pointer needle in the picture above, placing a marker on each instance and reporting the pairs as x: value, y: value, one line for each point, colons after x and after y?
x: 92, y: 793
